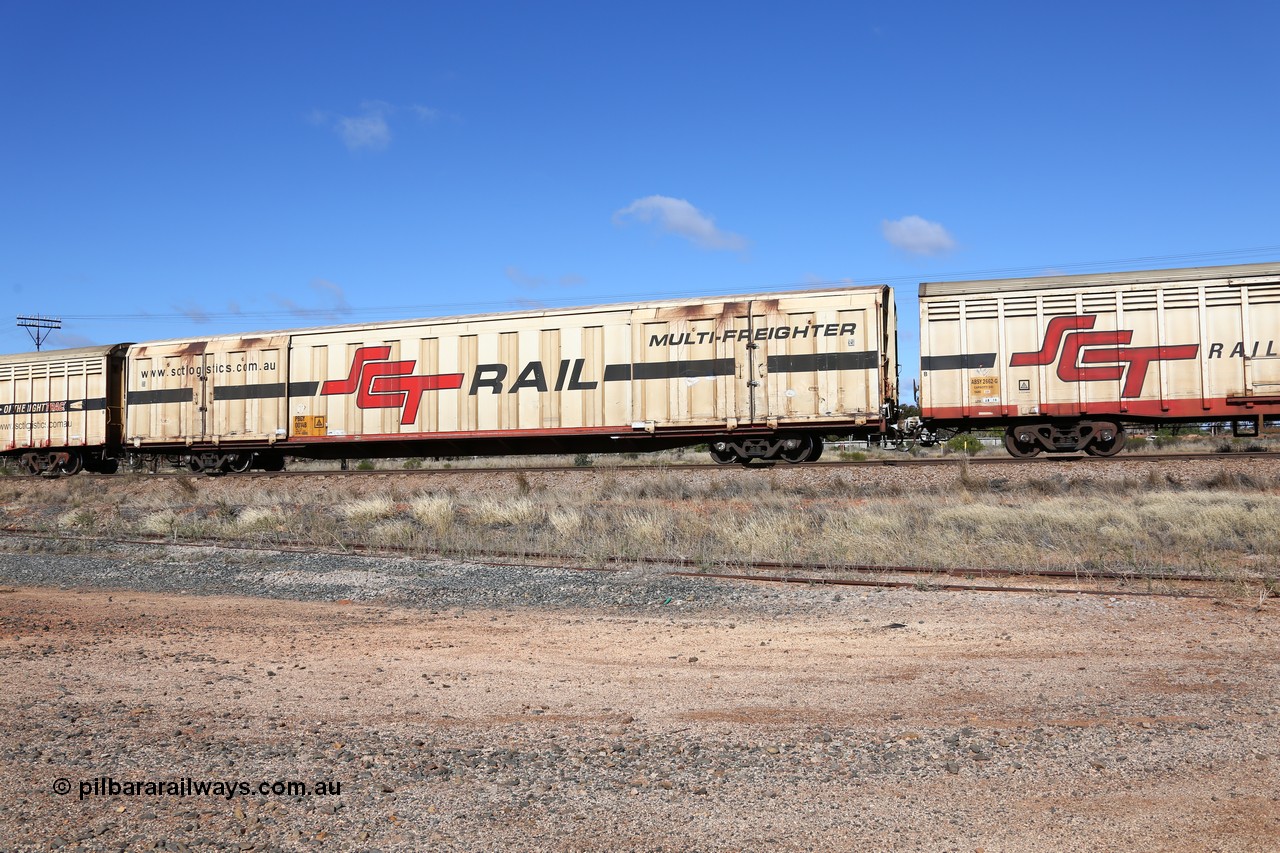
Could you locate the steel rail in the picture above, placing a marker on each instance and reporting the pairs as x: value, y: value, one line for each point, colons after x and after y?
x: 906, y: 462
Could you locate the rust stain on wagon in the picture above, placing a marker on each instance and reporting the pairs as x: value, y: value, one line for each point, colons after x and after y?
x: 725, y: 312
x: 686, y: 312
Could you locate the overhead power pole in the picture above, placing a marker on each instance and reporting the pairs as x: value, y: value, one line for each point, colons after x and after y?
x: 39, y: 327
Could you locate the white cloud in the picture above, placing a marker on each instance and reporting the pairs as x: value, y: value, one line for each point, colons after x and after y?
x: 679, y: 217
x: 370, y: 129
x: 918, y: 236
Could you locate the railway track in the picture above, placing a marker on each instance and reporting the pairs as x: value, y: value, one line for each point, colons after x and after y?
x: 955, y: 579
x: 1043, y: 462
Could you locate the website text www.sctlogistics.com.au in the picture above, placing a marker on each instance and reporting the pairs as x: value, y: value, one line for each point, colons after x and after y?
x: 110, y: 786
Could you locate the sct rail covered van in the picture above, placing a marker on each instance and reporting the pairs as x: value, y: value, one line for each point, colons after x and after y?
x: 1064, y: 362
x: 754, y: 377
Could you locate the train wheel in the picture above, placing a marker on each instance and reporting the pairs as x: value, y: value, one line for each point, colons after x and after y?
x: 723, y: 457
x: 29, y: 464
x: 1020, y: 444
x: 194, y: 464
x: 800, y: 453
x: 108, y: 465
x: 1108, y: 440
x: 238, y: 463
x: 73, y: 465
x: 818, y: 444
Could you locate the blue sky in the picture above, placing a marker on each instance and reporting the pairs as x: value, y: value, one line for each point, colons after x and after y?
x: 194, y: 168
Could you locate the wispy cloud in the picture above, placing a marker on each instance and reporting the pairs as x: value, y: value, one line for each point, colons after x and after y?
x: 531, y: 304
x: 370, y: 128
x: 536, y: 282
x: 337, y: 296
x: 518, y: 276
x: 918, y: 236
x: 70, y: 339
x: 679, y: 217
x: 194, y: 313
x: 335, y: 292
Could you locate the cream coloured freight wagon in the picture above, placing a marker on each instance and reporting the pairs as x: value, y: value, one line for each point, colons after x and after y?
x: 1065, y: 361
x: 762, y: 376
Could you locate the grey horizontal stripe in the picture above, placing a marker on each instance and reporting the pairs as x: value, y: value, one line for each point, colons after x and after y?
x: 264, y: 391
x: 864, y: 360
x: 669, y: 369
x: 248, y: 392
x: 161, y: 395
x: 970, y: 361
x: 268, y: 389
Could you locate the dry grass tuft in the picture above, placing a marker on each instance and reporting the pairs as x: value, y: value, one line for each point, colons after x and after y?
x: 366, y: 510
x: 436, y: 513
x: 512, y: 512
x: 257, y: 518
x: 160, y: 523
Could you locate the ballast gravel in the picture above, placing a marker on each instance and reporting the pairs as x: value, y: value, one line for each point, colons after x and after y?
x: 174, y: 693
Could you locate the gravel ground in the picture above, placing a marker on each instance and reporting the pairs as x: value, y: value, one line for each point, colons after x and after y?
x: 472, y: 707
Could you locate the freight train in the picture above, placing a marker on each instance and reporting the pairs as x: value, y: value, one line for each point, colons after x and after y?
x: 1061, y: 364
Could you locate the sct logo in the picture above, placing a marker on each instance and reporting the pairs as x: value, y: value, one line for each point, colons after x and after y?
x: 382, y: 384
x: 1098, y: 356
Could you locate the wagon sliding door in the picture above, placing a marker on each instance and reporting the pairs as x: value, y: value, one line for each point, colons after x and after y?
x: 165, y: 403
x: 746, y: 347
x: 244, y: 390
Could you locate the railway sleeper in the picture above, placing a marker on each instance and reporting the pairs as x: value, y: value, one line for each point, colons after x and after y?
x: 789, y: 447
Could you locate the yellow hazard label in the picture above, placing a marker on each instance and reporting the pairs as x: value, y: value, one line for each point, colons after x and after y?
x: 309, y: 425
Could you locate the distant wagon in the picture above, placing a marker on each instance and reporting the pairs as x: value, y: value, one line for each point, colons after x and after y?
x: 63, y: 410
x: 1062, y: 363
